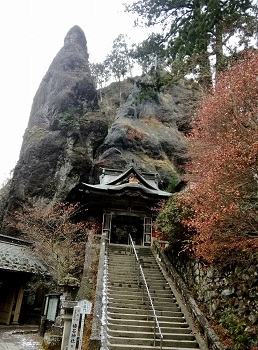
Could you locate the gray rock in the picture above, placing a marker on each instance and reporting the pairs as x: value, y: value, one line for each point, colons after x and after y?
x: 228, y: 292
x: 70, y: 136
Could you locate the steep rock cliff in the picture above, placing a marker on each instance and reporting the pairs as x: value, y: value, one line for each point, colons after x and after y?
x: 70, y: 136
x: 55, y: 141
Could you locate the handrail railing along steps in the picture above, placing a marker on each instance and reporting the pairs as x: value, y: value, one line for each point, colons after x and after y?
x: 142, y: 312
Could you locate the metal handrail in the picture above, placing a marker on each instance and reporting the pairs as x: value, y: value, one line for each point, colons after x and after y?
x: 156, y: 322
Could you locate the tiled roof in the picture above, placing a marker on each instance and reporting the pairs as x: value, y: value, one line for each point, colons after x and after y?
x: 18, y: 257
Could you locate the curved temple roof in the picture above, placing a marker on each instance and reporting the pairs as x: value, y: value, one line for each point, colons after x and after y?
x: 115, y: 181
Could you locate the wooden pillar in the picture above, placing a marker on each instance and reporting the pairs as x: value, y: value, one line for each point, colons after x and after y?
x: 6, y: 303
x: 17, y: 310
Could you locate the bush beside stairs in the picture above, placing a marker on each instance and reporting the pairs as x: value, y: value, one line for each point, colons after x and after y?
x: 129, y: 322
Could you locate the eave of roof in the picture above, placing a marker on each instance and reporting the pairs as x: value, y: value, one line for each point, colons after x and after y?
x: 124, y: 187
x: 19, y: 258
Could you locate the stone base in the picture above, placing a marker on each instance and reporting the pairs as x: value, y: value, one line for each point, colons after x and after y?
x: 94, y: 344
x: 51, y: 342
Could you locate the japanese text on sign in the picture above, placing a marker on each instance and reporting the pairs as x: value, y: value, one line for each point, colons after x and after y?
x: 74, y: 328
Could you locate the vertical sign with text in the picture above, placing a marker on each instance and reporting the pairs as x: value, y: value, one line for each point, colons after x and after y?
x: 85, y: 307
x: 74, y: 328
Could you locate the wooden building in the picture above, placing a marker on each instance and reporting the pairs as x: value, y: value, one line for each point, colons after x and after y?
x: 124, y: 201
x: 17, y: 266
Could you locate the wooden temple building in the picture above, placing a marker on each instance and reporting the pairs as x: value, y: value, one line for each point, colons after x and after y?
x: 17, y: 266
x: 124, y: 201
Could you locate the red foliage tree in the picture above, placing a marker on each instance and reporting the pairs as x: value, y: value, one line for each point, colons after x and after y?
x: 58, y: 238
x: 224, y: 166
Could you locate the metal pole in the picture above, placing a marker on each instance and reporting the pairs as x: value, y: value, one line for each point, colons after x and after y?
x: 154, y: 331
x: 161, y: 342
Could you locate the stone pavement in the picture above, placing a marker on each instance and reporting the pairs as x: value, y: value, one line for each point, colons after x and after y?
x: 19, y: 338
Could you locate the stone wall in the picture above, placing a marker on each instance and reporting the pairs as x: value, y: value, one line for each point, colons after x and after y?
x: 230, y: 292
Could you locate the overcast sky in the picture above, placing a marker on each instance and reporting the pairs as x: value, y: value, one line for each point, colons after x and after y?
x: 31, y: 34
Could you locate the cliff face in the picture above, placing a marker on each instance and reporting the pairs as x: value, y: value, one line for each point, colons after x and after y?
x: 69, y: 136
x: 148, y: 131
x: 55, y: 141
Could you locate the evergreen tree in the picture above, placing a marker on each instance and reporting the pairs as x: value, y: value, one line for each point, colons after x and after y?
x: 149, y: 53
x: 195, y: 29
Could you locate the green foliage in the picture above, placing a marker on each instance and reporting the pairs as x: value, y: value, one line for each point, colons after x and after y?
x: 100, y: 74
x: 118, y: 61
x: 68, y: 121
x: 194, y: 30
x: 173, y: 182
x: 237, y: 329
x: 149, y: 53
x: 170, y: 220
x: 151, y: 85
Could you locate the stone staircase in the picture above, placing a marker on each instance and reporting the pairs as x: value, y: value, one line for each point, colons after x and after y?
x: 129, y: 322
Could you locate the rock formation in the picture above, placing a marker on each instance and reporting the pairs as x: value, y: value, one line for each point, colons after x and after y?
x: 48, y: 155
x: 70, y: 136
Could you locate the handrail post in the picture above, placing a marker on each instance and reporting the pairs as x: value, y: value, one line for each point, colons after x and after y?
x: 154, y: 340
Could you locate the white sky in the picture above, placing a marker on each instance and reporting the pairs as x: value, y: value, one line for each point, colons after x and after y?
x: 31, y: 34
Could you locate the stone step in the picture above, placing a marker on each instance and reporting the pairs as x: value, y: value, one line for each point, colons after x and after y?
x: 134, y: 276
x: 124, y: 263
x: 165, y: 305
x: 134, y: 284
x: 149, y: 335
x: 152, y: 273
x: 129, y: 300
x: 147, y: 327
x: 141, y: 347
x: 114, y: 271
x: 144, y: 311
x: 139, y: 316
x: 154, y: 286
x: 123, y: 279
x: 124, y: 289
x: 129, y: 316
x: 143, y: 305
x: 138, y: 296
x: 125, y: 258
x: 149, y: 323
x: 148, y: 261
x: 178, y: 344
x: 130, y: 267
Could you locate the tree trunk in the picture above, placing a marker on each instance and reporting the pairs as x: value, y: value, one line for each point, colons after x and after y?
x: 205, y: 70
x: 219, y: 47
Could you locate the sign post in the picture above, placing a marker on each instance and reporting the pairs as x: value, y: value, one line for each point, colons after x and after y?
x: 74, y: 328
x: 85, y: 309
